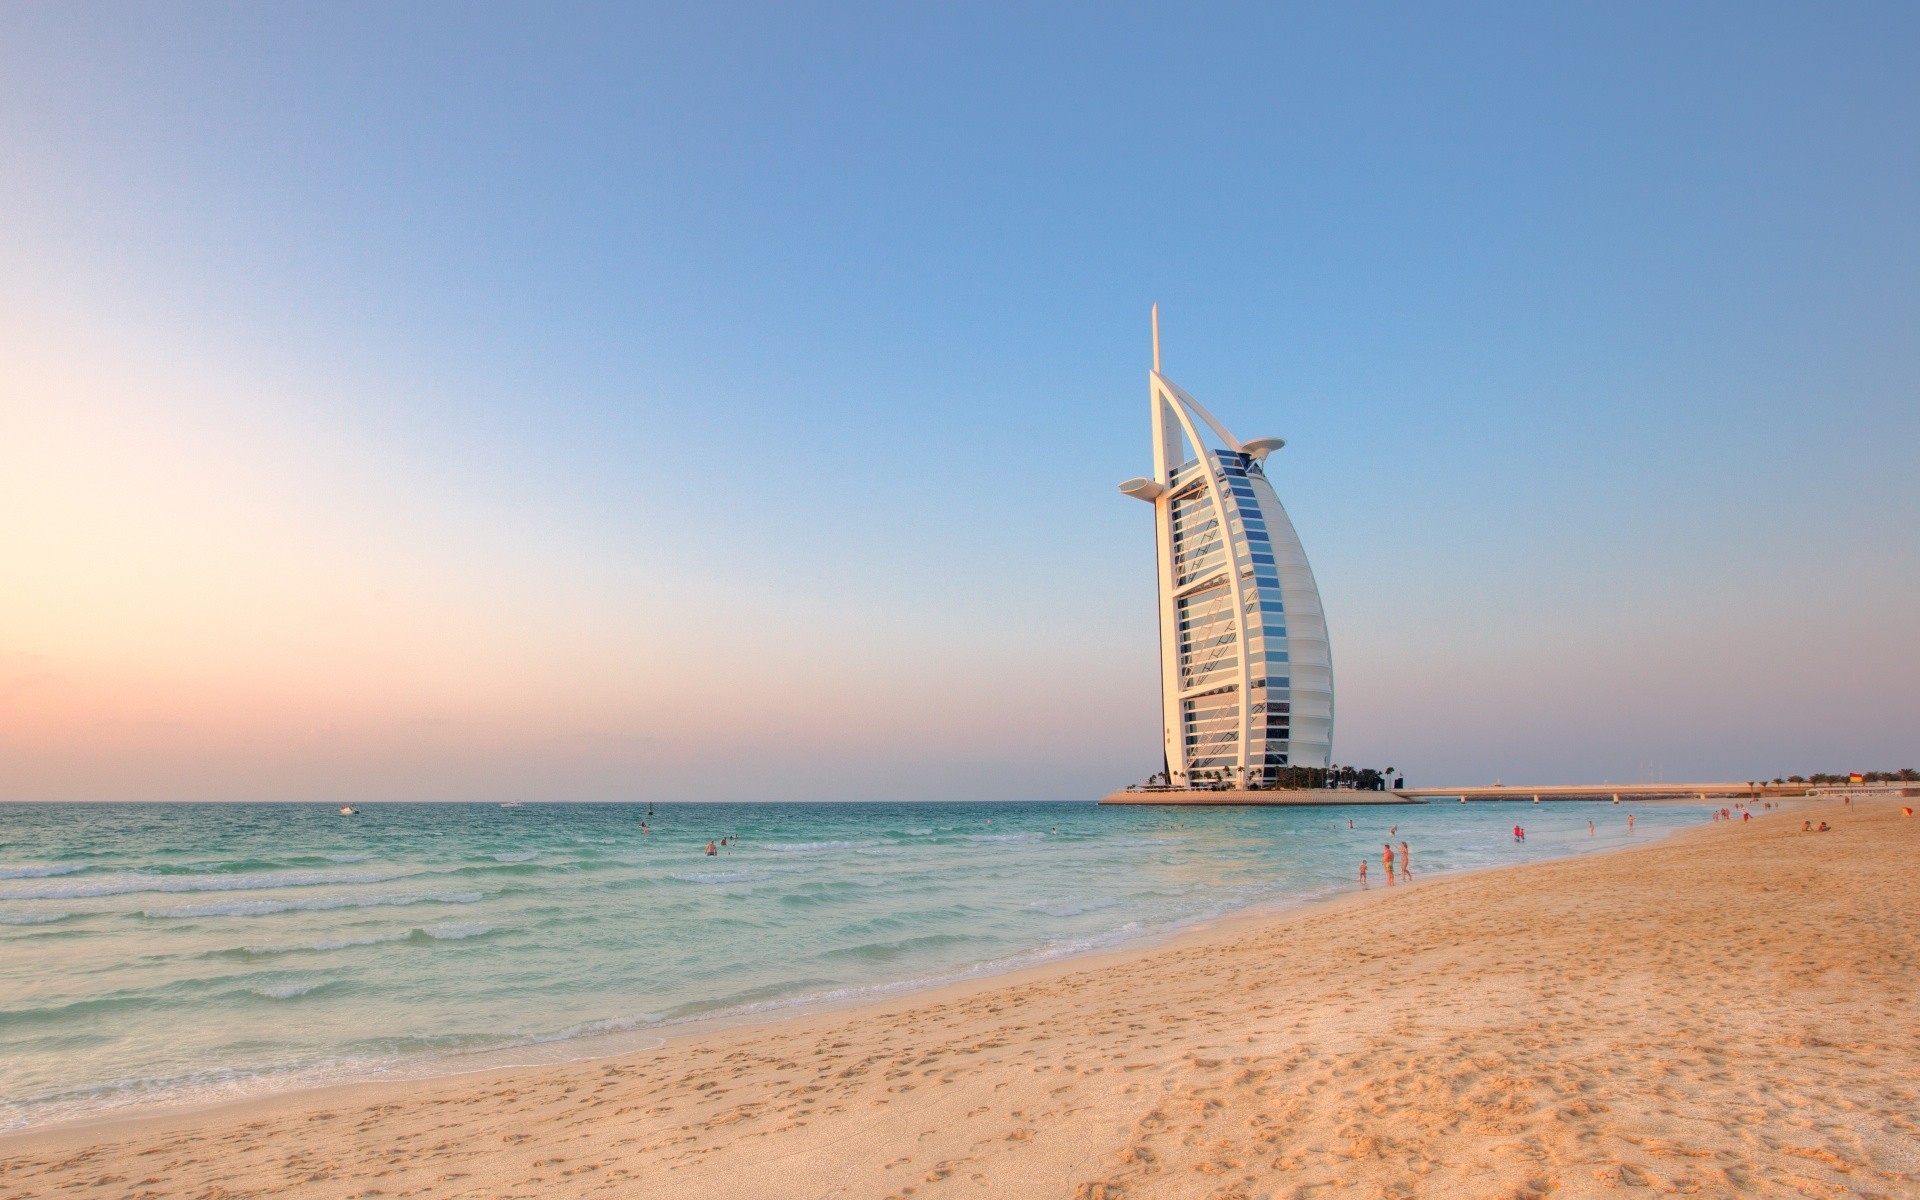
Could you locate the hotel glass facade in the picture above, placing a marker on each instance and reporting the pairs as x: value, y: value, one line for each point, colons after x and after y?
x: 1246, y: 670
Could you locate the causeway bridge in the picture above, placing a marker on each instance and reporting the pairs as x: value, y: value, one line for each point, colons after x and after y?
x: 1749, y: 790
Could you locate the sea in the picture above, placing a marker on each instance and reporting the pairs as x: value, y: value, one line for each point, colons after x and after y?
x: 157, y: 954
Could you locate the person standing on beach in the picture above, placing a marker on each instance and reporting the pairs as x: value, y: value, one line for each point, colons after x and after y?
x: 1386, y: 860
x: 1406, y: 871
x: 1363, y: 872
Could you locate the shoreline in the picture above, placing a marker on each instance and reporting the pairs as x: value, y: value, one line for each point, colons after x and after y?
x: 883, y: 997
x: 1726, y: 1010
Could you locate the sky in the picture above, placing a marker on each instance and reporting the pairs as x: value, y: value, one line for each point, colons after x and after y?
x: 725, y: 401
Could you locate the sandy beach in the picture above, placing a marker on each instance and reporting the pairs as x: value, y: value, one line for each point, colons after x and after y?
x: 1734, y: 1011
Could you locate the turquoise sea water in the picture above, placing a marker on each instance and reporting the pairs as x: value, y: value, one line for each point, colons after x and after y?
x: 158, y: 953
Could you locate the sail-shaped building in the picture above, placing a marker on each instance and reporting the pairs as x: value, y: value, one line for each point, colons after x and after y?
x: 1246, y: 672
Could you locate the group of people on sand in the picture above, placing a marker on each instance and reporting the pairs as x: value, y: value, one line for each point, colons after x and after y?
x: 1808, y: 827
x: 1386, y: 862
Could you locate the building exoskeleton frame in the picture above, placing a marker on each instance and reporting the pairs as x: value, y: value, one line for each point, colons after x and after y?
x: 1245, y: 668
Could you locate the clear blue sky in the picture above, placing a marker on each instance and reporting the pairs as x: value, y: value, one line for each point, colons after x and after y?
x: 476, y: 401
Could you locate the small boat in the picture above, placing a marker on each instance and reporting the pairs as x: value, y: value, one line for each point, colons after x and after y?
x: 510, y: 804
x: 348, y: 810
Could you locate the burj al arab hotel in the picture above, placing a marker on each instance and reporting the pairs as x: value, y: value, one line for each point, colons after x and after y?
x: 1246, y: 674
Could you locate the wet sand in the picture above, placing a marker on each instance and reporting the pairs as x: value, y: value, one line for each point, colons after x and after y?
x: 1734, y: 1011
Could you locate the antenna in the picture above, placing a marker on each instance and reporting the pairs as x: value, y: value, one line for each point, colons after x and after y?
x: 1156, y: 338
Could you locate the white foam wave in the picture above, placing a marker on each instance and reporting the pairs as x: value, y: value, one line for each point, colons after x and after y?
x: 347, y: 858
x: 455, y: 933
x: 327, y: 944
x: 256, y: 908
x: 517, y: 856
x: 723, y: 876
x: 286, y: 990
x: 126, y: 884
x: 1005, y: 837
x: 38, y: 871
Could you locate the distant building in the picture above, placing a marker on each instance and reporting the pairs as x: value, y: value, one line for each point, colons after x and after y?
x: 1246, y: 674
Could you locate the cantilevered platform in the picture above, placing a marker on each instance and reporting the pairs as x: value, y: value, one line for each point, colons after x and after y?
x: 1276, y: 797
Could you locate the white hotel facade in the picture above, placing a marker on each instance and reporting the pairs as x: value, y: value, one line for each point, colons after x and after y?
x: 1246, y: 673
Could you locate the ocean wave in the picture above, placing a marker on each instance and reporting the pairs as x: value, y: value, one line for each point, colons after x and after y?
x: 1175, y: 891
x: 517, y: 856
x: 256, y: 908
x: 438, y: 933
x: 815, y: 847
x: 1005, y: 837
x: 592, y: 1029
x: 32, y: 918
x: 132, y: 884
x: 41, y: 871
x: 723, y: 876
x: 318, y: 945
x: 454, y: 933
x: 1072, y: 907
x: 888, y: 951
x: 288, y: 989
x: 347, y: 858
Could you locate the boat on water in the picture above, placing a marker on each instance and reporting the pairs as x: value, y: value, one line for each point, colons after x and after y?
x: 509, y: 804
x: 348, y: 810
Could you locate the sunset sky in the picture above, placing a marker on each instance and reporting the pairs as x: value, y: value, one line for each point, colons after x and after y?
x: 560, y: 402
